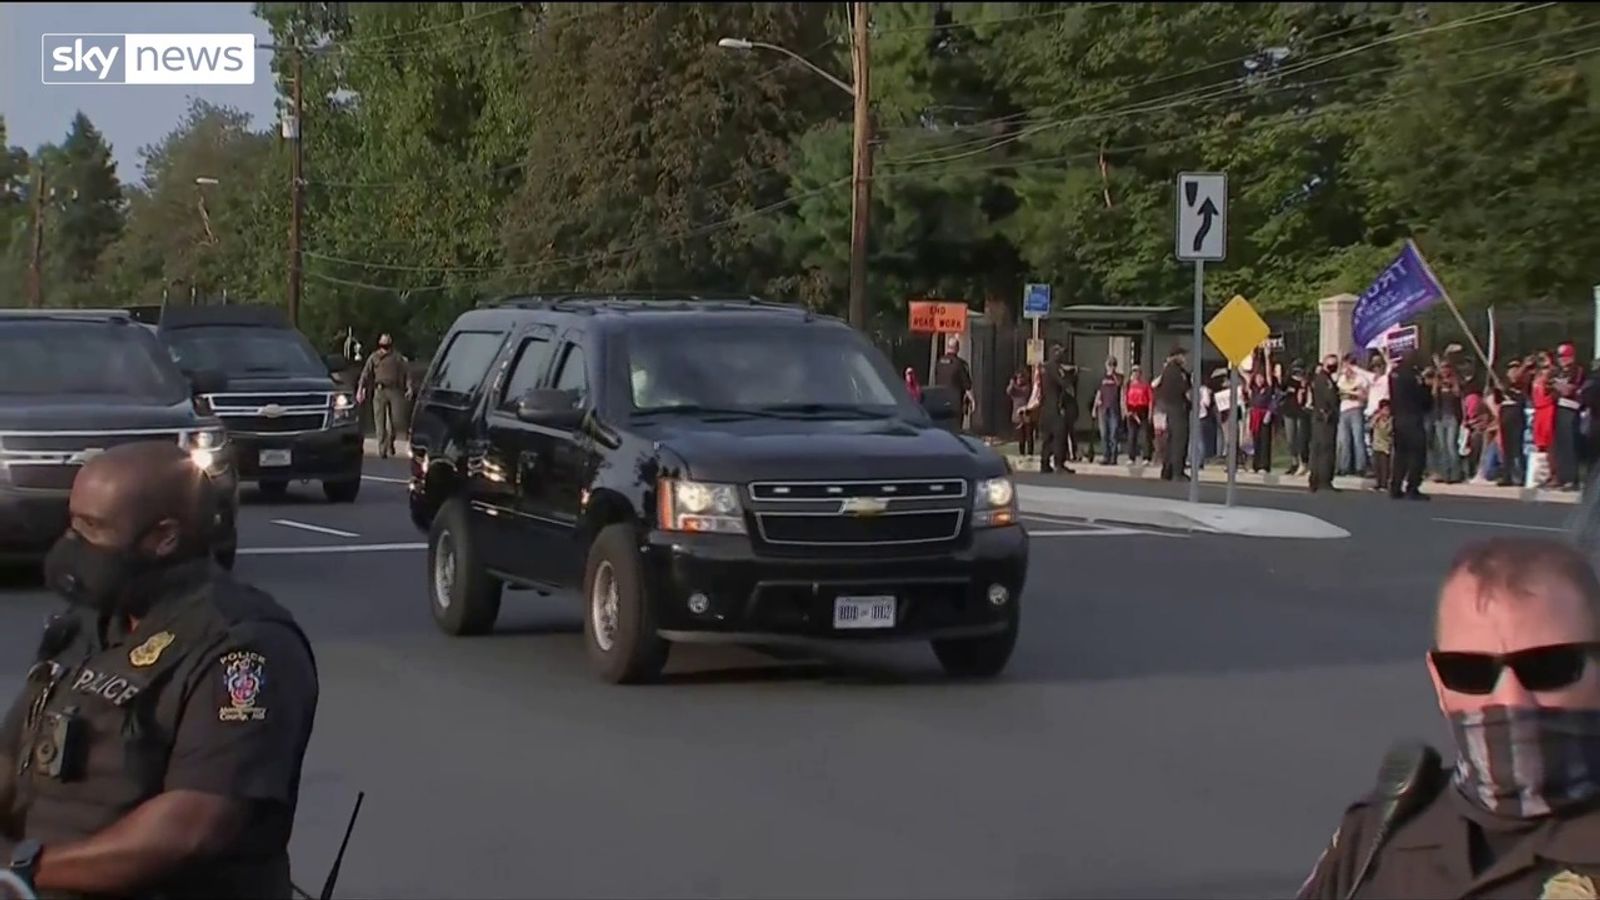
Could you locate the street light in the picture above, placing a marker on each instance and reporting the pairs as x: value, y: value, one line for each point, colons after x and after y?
x: 861, y: 156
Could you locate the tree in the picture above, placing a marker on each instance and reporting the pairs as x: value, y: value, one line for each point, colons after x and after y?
x: 85, y: 209
x: 15, y: 192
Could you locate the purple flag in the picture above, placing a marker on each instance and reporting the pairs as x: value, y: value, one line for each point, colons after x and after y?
x: 1405, y: 288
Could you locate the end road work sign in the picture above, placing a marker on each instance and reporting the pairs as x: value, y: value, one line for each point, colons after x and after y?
x: 1202, y: 216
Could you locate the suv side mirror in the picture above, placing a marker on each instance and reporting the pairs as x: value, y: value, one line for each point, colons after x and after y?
x: 336, y: 362
x: 207, y: 381
x: 550, y: 408
x: 940, y: 402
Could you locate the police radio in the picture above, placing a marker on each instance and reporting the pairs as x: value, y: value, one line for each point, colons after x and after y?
x: 338, y: 860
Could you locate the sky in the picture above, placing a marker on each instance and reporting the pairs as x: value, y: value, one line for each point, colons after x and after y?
x: 130, y: 116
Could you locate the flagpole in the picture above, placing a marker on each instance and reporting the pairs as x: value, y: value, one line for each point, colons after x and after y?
x: 1444, y: 294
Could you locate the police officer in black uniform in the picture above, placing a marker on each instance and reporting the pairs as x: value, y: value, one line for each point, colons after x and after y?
x: 1324, y: 424
x: 156, y: 747
x: 1516, y: 671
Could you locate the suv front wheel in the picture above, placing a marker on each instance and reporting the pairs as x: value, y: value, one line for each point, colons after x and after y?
x: 464, y: 599
x: 618, y: 620
x: 979, y: 657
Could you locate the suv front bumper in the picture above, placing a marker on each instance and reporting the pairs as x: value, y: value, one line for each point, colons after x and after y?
x: 331, y: 454
x: 751, y: 597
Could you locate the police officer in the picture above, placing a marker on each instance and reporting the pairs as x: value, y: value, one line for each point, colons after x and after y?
x: 1517, y: 673
x: 1411, y: 401
x: 1173, y: 399
x: 1055, y: 394
x: 386, y: 378
x: 156, y: 747
x: 1324, y: 422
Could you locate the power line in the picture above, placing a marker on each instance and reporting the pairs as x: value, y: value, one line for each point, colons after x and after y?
x: 1215, y: 89
x: 697, y: 231
x: 345, y: 43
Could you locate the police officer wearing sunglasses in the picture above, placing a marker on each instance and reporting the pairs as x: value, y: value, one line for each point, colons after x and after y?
x: 1516, y: 666
x: 155, y: 749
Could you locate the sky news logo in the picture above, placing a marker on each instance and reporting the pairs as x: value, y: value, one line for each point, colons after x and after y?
x: 147, y: 58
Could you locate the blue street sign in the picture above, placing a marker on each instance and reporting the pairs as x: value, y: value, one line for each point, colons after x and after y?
x: 1036, y: 301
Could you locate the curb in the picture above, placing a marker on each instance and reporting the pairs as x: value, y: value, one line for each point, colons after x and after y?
x: 1175, y: 515
x: 1215, y: 474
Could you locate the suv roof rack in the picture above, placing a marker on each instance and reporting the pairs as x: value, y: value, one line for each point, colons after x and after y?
x: 67, y: 313
x: 638, y: 301
x: 247, y: 314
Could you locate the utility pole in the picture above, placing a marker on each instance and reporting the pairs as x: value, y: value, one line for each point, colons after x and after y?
x: 36, y: 253
x: 860, y: 169
x: 292, y: 130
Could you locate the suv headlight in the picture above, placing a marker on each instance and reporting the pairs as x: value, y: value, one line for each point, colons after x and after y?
x: 696, y: 506
x: 206, y: 449
x: 342, y: 408
x: 995, y: 503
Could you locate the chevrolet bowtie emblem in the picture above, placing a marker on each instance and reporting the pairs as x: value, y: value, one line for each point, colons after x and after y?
x: 863, y: 506
x: 272, y: 410
x: 83, y: 456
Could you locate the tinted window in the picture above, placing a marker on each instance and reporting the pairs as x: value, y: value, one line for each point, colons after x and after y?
x: 528, y: 370
x: 244, y: 351
x: 743, y: 365
x: 573, y: 376
x: 465, y: 360
x: 59, y: 357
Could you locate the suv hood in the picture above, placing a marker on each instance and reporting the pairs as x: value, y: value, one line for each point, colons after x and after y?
x: 266, y: 383
x: 816, y: 449
x: 91, y: 412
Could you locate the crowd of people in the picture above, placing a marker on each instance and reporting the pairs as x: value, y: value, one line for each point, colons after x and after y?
x: 1534, y: 423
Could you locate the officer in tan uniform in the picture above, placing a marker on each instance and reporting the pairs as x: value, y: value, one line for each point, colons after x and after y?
x: 1516, y: 668
x: 386, y: 378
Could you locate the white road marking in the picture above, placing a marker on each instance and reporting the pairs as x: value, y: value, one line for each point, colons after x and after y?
x: 385, y: 480
x: 319, y: 529
x: 345, y: 548
x: 1501, y: 525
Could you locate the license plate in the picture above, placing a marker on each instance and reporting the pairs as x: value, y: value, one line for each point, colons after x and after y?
x: 863, y: 612
x: 275, y: 458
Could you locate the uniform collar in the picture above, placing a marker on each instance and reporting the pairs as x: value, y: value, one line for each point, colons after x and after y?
x: 174, y: 590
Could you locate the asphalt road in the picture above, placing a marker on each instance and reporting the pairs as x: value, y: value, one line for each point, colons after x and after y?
x: 1185, y: 716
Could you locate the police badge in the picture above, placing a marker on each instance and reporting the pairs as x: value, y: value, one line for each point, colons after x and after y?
x: 243, y: 674
x: 1569, y: 885
x: 148, y: 652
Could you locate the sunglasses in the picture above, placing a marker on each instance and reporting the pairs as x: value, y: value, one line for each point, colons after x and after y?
x: 1539, y: 669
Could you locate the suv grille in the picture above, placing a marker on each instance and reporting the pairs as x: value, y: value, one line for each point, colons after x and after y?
x: 272, y: 413
x: 45, y: 461
x: 860, y: 513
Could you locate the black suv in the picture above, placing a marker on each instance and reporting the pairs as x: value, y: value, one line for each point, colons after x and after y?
x: 707, y: 470
x: 75, y: 382
x: 288, y: 417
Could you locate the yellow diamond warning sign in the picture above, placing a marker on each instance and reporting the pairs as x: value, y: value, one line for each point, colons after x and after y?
x: 1237, y: 330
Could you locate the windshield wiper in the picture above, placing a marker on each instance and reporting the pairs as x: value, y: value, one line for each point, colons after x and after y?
x: 696, y: 409
x: 818, y: 409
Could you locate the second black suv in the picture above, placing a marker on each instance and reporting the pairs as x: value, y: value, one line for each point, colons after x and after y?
x: 75, y: 382
x: 706, y: 470
x: 288, y: 417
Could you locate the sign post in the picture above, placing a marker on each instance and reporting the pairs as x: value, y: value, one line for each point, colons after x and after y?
x: 1237, y: 331
x: 1035, y: 306
x: 1202, y: 236
x: 1596, y: 321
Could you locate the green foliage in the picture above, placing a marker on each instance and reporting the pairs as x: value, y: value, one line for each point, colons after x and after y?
x: 460, y: 150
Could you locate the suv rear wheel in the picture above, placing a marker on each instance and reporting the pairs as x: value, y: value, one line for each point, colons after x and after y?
x: 464, y: 599
x: 342, y: 491
x: 619, y: 626
x: 979, y: 657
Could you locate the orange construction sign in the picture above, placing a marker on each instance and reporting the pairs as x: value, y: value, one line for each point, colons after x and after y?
x: 938, y: 317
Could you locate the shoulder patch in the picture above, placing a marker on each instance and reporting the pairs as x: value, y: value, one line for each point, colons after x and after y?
x: 243, y: 675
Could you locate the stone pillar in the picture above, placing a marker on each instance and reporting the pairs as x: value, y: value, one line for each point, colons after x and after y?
x: 1336, y: 315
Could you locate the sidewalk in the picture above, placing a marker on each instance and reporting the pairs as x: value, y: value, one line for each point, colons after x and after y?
x: 1216, y: 473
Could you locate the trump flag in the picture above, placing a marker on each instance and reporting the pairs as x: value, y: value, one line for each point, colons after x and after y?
x: 1405, y: 288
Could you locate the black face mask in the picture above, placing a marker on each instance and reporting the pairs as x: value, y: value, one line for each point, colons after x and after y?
x: 1330, y: 369
x: 101, y: 578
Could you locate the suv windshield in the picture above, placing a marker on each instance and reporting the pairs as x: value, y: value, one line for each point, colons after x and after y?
x: 236, y: 351
x: 758, y: 367
x: 66, y: 357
